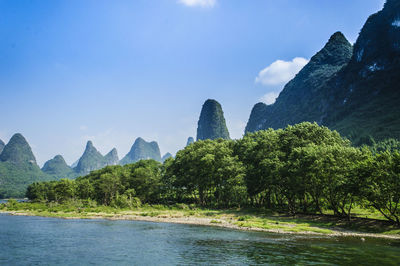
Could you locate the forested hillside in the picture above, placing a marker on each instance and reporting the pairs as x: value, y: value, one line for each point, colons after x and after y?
x: 354, y: 90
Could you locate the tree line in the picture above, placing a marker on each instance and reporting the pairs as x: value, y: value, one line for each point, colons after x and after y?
x: 305, y: 168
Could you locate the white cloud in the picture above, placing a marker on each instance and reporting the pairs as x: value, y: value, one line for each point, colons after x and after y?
x: 200, y: 3
x: 270, y: 97
x: 280, y: 72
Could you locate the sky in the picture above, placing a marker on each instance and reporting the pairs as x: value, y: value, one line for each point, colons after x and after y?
x: 112, y: 71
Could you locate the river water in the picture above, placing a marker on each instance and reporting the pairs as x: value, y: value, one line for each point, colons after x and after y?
x: 29, y: 240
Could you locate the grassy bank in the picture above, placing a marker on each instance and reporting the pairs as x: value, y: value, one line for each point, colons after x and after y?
x: 249, y: 219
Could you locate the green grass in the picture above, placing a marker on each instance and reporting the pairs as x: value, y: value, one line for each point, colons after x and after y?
x: 248, y: 218
x: 151, y: 214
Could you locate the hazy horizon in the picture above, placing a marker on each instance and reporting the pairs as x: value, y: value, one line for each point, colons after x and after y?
x: 110, y: 72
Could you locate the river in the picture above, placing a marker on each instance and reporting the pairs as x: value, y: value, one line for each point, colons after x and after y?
x: 28, y: 240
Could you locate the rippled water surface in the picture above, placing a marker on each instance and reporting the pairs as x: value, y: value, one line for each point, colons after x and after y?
x: 37, y: 240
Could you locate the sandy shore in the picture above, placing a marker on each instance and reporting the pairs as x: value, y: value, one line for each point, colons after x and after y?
x: 203, y: 221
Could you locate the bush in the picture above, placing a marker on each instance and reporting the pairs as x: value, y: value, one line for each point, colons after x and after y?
x: 123, y: 201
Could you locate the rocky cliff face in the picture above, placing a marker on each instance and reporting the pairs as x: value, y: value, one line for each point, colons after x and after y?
x: 17, y: 151
x: 212, y: 123
x: 142, y: 150
x: 58, y: 168
x: 356, y: 93
x: 366, y: 99
x: 111, y: 158
x: 90, y: 160
x: 2, y: 144
x: 304, y: 97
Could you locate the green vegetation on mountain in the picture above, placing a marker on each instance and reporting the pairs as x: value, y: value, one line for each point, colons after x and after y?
x: 17, y: 151
x: 351, y: 89
x: 366, y: 101
x: 305, y: 168
x: 90, y: 160
x: 390, y: 145
x: 58, y: 168
x: 18, y: 168
x: 303, y: 98
x: 2, y: 144
x: 211, y: 123
x: 14, y: 179
x: 142, y: 150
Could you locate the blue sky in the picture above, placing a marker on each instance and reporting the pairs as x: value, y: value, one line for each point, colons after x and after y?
x: 111, y: 71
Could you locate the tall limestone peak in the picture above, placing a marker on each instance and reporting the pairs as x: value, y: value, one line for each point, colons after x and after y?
x: 2, y: 144
x: 111, y: 158
x: 304, y: 97
x: 142, y: 150
x: 258, y: 117
x: 190, y: 140
x: 18, y: 151
x: 337, y: 51
x: 355, y: 93
x: 90, y: 160
x: 58, y: 168
x: 212, y: 123
x: 366, y: 102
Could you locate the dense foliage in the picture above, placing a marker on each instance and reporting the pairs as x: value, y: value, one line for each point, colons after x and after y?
x: 304, y: 168
x: 14, y: 179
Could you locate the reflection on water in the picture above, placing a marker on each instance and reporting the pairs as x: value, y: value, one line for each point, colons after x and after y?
x: 37, y: 240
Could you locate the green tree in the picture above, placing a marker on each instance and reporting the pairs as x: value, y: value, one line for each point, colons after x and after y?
x: 145, y: 179
x: 84, y: 189
x: 109, y: 186
x: 328, y: 173
x: 64, y: 190
x: 383, y: 190
x: 208, y: 171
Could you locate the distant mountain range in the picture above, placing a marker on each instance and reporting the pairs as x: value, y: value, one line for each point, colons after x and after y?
x: 18, y: 167
x: 58, y: 167
x: 353, y: 89
x: 142, y: 150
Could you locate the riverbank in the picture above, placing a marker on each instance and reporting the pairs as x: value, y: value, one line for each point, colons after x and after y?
x: 240, y: 219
